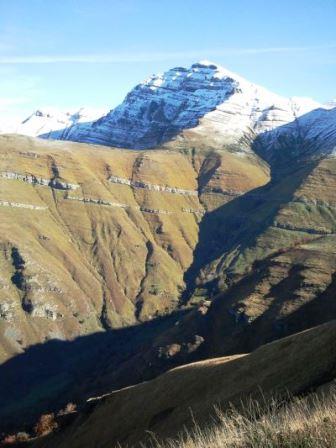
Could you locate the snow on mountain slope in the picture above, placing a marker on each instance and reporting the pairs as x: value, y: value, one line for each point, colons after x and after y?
x: 213, y: 104
x: 206, y: 97
x: 311, y: 133
x: 160, y: 107
x: 51, y: 120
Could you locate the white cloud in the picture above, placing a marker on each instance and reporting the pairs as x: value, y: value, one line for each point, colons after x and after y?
x: 18, y: 94
x: 158, y: 56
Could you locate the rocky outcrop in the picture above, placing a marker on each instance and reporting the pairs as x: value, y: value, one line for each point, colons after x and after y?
x: 152, y: 187
x: 7, y: 311
x: 106, y: 203
x: 45, y: 310
x: 20, y: 205
x: 34, y: 180
x: 96, y: 201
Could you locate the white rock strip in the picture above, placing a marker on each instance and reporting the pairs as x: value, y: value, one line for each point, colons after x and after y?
x: 96, y: 201
x: 20, y: 205
x: 105, y: 203
x: 30, y: 179
x: 152, y: 187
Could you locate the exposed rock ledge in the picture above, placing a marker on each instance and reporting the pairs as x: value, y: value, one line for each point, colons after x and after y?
x: 153, y: 187
x: 31, y: 179
x: 19, y: 205
x: 309, y: 230
x: 106, y: 203
x: 219, y: 190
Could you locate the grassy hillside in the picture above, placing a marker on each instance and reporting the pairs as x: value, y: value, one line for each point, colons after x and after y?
x: 95, y: 238
x: 267, y: 260
x: 119, y: 265
x: 188, y: 394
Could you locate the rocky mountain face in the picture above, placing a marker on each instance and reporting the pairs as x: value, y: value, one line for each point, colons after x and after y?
x: 222, y: 106
x: 205, y: 96
x: 119, y: 264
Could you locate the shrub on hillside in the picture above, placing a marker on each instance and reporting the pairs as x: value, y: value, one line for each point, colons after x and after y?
x: 45, y: 425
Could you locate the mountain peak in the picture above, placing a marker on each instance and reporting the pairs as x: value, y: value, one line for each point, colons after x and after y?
x: 220, y: 106
x: 204, y: 63
x: 163, y: 105
x: 200, y: 75
x: 218, y: 70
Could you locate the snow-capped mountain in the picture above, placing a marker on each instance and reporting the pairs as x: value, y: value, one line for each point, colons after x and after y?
x: 47, y: 121
x: 160, y: 107
x: 205, y: 99
x: 216, y: 104
x: 313, y: 132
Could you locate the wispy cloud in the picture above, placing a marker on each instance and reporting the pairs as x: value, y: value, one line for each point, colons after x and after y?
x: 155, y: 56
x: 18, y: 94
x: 5, y: 103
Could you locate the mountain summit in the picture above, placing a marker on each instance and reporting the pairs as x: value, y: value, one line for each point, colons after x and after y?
x: 207, y: 95
x: 206, y: 98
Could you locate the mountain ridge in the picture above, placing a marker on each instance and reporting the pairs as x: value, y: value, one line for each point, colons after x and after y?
x: 231, y: 223
x: 50, y: 120
x: 163, y: 105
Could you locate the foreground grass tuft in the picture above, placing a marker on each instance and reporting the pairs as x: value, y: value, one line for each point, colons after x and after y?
x: 305, y: 423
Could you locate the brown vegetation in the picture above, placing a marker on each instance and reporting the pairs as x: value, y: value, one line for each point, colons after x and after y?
x: 305, y: 423
x: 45, y: 425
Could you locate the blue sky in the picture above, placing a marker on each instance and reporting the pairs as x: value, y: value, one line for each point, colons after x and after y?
x: 69, y: 53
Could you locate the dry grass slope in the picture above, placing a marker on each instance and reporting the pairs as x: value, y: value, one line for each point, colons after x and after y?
x: 78, y: 234
x: 178, y: 398
x: 304, y: 423
x: 81, y: 254
x: 264, y: 254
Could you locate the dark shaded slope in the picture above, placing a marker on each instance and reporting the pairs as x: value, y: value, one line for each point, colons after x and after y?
x: 47, y: 376
x: 296, y: 364
x: 235, y: 227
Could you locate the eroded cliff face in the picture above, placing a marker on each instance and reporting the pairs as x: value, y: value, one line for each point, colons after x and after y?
x: 94, y: 238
